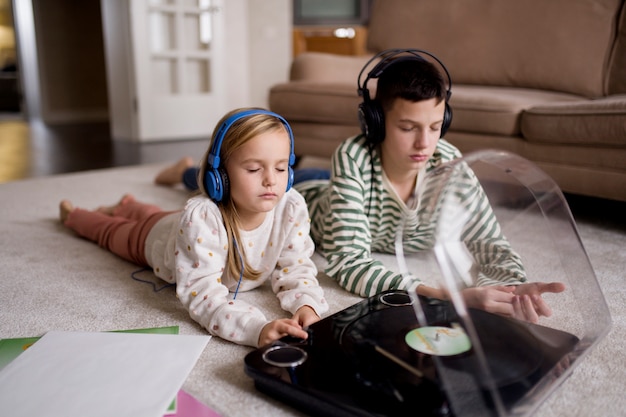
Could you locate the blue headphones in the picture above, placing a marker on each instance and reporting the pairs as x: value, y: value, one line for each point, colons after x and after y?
x: 215, y: 178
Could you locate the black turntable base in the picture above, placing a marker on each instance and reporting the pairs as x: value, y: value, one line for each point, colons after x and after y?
x: 357, y: 362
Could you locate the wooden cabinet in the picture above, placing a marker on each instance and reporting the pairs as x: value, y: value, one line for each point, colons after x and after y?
x: 348, y: 40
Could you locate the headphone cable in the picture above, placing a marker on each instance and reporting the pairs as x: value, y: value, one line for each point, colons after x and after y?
x: 241, y: 272
x: 133, y: 275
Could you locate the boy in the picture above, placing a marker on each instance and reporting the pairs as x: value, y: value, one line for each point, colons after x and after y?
x: 372, y: 192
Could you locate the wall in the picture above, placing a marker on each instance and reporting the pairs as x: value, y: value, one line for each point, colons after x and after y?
x: 270, y: 46
x: 258, y: 43
x: 72, y: 71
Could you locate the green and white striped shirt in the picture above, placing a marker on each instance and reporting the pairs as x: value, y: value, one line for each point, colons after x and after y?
x: 357, y: 212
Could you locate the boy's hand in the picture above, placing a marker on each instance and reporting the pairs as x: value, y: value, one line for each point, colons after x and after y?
x: 523, y: 302
x: 529, y: 302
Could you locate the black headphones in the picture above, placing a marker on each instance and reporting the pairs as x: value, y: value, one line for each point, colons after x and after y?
x: 371, y: 116
x: 215, y: 177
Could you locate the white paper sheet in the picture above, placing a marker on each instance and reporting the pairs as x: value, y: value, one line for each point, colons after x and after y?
x: 74, y: 374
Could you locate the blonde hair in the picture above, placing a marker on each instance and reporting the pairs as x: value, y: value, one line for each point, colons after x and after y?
x: 240, y: 132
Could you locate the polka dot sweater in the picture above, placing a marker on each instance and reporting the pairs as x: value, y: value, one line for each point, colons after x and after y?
x: 190, y: 248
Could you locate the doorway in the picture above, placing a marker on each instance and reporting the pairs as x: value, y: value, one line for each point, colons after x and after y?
x: 10, y: 91
x: 61, y: 60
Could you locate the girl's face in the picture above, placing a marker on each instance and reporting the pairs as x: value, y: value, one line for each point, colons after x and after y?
x: 258, y: 175
x: 412, y: 130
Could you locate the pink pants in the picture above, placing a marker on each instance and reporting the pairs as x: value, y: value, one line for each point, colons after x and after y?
x: 124, y: 233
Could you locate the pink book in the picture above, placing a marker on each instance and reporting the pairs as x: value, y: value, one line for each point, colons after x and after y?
x: 188, y: 406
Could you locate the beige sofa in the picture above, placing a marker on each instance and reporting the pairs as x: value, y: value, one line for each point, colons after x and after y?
x: 545, y: 79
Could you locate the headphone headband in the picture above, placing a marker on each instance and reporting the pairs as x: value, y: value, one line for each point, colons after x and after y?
x: 214, y: 155
x: 388, y: 56
x: 216, y: 181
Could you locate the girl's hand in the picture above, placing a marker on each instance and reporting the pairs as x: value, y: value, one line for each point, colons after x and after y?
x: 277, y: 329
x: 305, y: 316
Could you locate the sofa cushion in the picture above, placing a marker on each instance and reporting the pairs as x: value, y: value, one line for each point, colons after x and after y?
x: 319, y: 102
x: 558, y: 45
x: 588, y: 170
x: 600, y: 122
x: 325, y: 67
x: 320, y: 139
x: 589, y: 156
x: 490, y: 110
x: 496, y: 110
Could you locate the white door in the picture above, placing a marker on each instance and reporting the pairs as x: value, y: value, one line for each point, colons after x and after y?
x: 174, y: 60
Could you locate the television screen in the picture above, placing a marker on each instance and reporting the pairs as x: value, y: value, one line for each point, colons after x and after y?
x: 329, y: 12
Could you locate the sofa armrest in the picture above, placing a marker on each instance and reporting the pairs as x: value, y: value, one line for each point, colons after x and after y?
x: 326, y: 67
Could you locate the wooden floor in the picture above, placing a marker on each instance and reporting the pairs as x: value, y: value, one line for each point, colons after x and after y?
x: 30, y: 150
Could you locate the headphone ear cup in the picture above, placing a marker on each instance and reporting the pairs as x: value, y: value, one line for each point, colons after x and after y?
x: 447, y: 119
x: 372, y: 121
x: 213, y: 184
x: 289, y: 178
x: 225, y: 190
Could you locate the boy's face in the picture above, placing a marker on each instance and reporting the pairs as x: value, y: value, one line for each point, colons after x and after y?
x: 412, y: 130
x: 258, y: 175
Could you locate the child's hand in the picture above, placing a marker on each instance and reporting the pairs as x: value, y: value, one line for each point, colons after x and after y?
x: 523, y: 302
x: 529, y: 302
x: 305, y: 316
x: 277, y: 329
x: 497, y: 299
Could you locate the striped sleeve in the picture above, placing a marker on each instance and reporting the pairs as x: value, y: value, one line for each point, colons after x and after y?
x: 353, y: 217
x: 498, y: 262
x: 463, y: 212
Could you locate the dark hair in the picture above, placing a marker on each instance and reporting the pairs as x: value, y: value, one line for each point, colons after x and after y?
x: 410, y: 79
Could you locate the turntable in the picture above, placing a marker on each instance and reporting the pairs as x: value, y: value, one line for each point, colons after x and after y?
x: 398, y: 354
x: 370, y: 359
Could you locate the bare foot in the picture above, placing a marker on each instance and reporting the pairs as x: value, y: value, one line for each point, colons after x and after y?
x: 65, y: 208
x: 173, y: 174
x: 110, y: 210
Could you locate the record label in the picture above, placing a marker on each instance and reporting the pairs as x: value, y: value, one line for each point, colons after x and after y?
x: 438, y: 340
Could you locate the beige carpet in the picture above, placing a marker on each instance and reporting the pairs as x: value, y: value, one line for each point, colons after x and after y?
x: 51, y: 280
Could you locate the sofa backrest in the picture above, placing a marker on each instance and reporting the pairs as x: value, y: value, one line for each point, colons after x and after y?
x: 617, y: 74
x: 560, y: 45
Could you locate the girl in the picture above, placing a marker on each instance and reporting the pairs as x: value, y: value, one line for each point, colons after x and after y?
x: 247, y: 226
